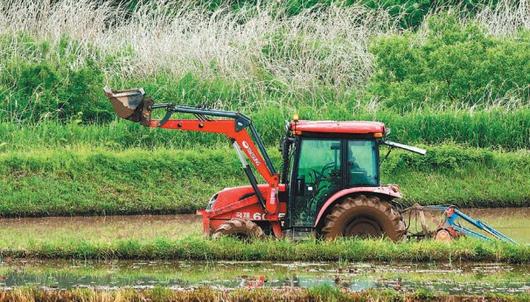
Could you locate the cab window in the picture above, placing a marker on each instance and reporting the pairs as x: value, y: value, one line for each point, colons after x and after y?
x: 319, y: 170
x: 362, y: 163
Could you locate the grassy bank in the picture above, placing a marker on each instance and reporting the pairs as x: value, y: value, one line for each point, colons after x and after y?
x: 80, y: 180
x: 197, y: 248
x: 318, y: 293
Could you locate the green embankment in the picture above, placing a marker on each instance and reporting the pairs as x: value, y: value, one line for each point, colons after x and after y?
x: 80, y: 180
x: 196, y: 248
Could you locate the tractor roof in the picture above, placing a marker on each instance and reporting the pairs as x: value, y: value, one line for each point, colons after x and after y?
x: 350, y: 127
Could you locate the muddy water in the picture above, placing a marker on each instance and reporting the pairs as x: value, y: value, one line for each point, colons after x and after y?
x: 514, y: 222
x: 448, y: 278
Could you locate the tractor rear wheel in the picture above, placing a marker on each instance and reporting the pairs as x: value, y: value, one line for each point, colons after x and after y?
x: 239, y: 228
x: 364, y: 216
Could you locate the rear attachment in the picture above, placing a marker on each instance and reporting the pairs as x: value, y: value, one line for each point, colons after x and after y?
x: 450, y: 227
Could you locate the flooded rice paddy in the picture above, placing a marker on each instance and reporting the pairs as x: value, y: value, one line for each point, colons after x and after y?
x: 23, y: 232
x: 453, y: 278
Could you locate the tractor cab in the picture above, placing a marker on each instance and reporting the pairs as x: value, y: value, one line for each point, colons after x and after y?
x: 324, y: 158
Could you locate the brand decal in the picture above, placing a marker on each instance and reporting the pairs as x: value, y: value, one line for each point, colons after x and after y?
x: 256, y: 215
x: 251, y: 153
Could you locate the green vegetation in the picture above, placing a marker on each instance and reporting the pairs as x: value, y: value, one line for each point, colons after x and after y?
x: 26, y: 233
x: 496, y: 129
x: 197, y: 248
x: 455, y: 82
x: 89, y: 181
x: 38, y: 82
x: 80, y: 180
x: 319, y: 293
x: 452, y: 65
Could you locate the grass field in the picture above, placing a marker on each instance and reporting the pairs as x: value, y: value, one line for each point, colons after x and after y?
x: 81, y: 180
x: 495, y: 129
x: 197, y: 248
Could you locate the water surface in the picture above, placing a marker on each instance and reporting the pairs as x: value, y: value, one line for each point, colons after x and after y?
x: 449, y: 278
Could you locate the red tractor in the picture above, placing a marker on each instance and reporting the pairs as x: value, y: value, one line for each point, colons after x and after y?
x: 329, y: 185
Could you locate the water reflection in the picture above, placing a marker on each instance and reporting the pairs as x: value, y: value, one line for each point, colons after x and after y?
x: 448, y: 278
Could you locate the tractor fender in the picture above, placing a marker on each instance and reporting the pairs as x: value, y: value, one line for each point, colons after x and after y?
x: 390, y: 192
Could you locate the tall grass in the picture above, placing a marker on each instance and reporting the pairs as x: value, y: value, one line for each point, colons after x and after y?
x: 495, y: 129
x: 506, y: 18
x: 196, y: 248
x: 251, y: 55
x: 246, y: 45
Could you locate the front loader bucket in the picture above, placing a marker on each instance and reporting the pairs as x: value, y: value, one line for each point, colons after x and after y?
x: 131, y: 104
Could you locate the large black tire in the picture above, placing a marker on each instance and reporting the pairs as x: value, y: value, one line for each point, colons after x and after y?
x: 364, y: 216
x: 239, y: 228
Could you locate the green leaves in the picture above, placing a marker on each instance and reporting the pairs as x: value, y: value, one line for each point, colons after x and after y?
x: 449, y: 65
x: 44, y: 81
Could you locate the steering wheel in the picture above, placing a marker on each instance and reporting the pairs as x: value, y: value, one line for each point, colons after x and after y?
x: 318, y: 177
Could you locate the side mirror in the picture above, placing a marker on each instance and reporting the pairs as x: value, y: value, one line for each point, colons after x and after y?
x: 300, y: 186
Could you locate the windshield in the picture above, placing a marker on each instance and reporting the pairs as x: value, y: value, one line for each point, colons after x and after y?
x: 362, y: 163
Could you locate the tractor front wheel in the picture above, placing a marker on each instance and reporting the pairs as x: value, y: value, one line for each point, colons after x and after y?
x: 364, y: 216
x: 239, y: 228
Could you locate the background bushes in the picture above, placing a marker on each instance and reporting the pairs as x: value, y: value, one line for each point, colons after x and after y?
x: 49, y: 82
x: 448, y: 64
x: 453, y: 65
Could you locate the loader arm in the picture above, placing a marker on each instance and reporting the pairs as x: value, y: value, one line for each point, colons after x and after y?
x: 257, y: 156
x: 236, y: 126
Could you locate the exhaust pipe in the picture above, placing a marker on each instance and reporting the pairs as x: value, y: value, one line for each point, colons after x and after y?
x: 131, y: 104
x: 405, y: 147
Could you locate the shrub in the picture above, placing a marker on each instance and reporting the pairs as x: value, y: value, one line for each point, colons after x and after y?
x: 453, y: 65
x: 48, y: 82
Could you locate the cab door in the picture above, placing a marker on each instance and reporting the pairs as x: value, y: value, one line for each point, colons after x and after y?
x: 315, y: 177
